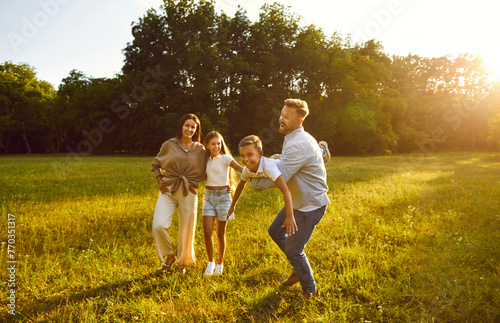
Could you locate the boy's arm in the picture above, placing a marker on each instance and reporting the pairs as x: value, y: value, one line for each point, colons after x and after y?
x: 237, y: 194
x: 289, y: 224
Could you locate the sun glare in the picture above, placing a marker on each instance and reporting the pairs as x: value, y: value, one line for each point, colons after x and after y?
x: 493, y: 66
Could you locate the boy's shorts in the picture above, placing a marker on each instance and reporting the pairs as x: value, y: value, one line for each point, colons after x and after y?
x: 217, y: 203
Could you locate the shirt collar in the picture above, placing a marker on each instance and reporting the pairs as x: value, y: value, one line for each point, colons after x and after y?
x: 195, y: 145
x: 294, y: 133
x: 261, y: 165
x: 260, y: 169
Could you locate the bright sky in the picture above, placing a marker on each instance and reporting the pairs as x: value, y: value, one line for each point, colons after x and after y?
x: 56, y: 36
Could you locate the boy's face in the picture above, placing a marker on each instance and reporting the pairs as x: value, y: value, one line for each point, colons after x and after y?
x: 250, y: 157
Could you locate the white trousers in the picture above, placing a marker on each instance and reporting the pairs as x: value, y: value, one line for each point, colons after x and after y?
x: 162, y: 220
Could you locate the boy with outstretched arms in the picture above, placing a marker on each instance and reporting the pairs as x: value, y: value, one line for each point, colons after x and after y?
x: 256, y: 165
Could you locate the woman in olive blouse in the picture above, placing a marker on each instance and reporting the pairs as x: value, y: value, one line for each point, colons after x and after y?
x: 182, y: 160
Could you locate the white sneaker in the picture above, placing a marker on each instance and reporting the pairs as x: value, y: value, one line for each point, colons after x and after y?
x: 218, y: 269
x: 325, y: 151
x: 210, y: 269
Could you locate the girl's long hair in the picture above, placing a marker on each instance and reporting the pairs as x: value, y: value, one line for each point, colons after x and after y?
x: 224, y: 150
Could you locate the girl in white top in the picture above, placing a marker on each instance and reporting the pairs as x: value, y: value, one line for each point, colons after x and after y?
x: 217, y: 199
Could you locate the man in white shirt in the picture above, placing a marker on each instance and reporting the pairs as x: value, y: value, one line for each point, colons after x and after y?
x: 301, y: 164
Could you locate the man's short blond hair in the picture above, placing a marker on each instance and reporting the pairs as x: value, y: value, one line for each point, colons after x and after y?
x: 251, y: 140
x: 299, y: 105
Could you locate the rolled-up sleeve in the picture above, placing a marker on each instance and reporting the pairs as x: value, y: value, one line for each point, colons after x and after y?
x: 155, y: 166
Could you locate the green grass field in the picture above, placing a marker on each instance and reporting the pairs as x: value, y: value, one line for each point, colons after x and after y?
x: 401, y: 242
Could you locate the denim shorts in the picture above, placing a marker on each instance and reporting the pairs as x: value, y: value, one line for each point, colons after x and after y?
x: 217, y: 203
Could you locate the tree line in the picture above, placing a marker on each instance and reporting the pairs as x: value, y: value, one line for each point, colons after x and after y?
x: 234, y: 74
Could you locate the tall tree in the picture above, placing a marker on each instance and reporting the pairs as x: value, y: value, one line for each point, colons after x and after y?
x: 24, y: 102
x: 175, y: 52
x: 266, y: 76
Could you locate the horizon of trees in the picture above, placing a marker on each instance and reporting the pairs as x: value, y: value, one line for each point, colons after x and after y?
x: 234, y: 74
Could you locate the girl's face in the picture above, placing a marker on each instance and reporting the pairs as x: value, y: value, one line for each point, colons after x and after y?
x: 189, y: 128
x: 214, y: 146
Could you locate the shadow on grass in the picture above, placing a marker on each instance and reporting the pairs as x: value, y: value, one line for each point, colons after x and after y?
x: 264, y: 309
x: 100, y: 294
x: 269, y: 308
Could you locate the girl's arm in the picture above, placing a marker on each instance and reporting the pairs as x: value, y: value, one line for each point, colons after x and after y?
x: 237, y: 194
x: 237, y: 167
x: 289, y: 224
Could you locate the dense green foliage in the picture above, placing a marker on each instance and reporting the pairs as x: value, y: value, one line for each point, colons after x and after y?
x: 234, y: 74
x: 401, y: 242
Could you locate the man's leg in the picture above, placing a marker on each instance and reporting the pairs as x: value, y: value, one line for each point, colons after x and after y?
x: 293, y: 246
x: 276, y: 232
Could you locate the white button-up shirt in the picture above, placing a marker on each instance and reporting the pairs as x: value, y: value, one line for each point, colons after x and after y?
x: 303, y: 169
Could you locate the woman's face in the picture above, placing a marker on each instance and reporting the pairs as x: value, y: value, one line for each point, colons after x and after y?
x: 189, y: 128
x: 214, y: 146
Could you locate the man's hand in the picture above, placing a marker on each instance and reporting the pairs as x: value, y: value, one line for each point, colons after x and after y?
x: 290, y: 225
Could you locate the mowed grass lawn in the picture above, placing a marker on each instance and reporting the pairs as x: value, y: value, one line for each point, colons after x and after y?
x: 404, y: 240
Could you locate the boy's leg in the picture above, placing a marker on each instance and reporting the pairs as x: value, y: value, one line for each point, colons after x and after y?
x: 325, y: 152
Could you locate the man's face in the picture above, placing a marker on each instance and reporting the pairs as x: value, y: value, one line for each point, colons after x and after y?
x: 250, y: 157
x: 290, y: 120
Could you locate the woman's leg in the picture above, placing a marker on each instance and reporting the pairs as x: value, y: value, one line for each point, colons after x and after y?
x: 187, y: 225
x: 162, y: 219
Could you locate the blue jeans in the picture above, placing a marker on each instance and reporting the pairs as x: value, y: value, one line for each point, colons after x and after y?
x: 293, y: 246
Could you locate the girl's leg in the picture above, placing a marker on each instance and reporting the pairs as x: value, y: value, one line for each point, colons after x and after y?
x: 221, y: 240
x: 208, y: 230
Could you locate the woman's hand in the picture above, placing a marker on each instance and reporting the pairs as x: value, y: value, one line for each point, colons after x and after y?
x: 163, y: 187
